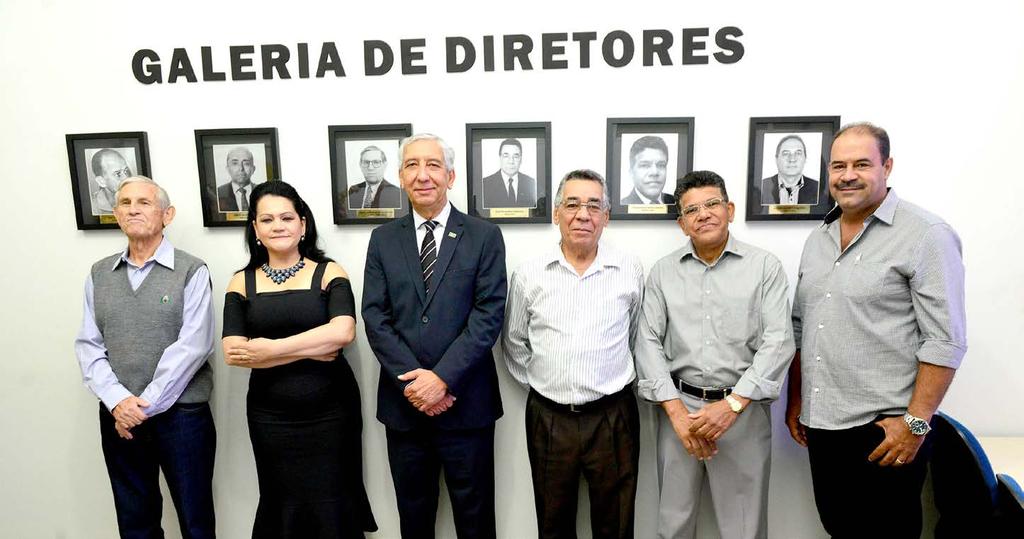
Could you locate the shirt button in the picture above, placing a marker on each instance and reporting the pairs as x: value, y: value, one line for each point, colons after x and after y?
x: 815, y: 390
x: 817, y: 358
x: 837, y: 262
x: 707, y: 342
x: 828, y: 294
x: 820, y: 326
x: 425, y: 319
x: 707, y: 317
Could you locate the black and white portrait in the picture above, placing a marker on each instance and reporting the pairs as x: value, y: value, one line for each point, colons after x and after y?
x: 647, y: 163
x: 371, y: 167
x: 238, y: 168
x: 511, y: 168
x: 794, y: 167
x: 99, y: 163
x: 786, y: 168
x: 108, y: 167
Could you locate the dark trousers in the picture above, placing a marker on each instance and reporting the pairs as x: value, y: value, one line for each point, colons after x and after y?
x: 181, y: 442
x: 857, y: 498
x: 417, y: 458
x: 602, y: 443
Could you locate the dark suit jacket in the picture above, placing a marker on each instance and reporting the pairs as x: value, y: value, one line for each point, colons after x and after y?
x: 388, y: 196
x: 809, y: 193
x: 496, y: 192
x: 634, y: 198
x: 226, y: 198
x: 450, y: 331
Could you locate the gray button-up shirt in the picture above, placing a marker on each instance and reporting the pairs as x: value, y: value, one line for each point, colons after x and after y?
x: 866, y: 317
x: 720, y: 325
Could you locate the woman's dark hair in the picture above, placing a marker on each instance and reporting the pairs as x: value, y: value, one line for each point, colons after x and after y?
x: 307, y: 246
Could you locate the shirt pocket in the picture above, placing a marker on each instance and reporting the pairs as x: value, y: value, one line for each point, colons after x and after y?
x: 738, y: 325
x: 865, y: 281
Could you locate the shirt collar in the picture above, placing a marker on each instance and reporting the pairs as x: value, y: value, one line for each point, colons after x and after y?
x: 506, y: 177
x: 884, y: 212
x: 644, y: 199
x: 164, y: 256
x: 799, y: 183
x: 732, y: 245
x: 606, y: 257
x: 441, y: 218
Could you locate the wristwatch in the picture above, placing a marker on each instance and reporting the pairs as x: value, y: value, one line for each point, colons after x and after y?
x: 918, y: 426
x: 734, y: 404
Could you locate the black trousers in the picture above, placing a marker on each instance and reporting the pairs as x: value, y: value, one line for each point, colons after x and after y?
x: 857, y: 498
x: 602, y: 443
x: 180, y: 441
x: 417, y: 458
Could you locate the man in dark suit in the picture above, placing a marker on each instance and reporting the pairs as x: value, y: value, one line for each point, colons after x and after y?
x: 790, y: 186
x: 648, y: 166
x: 234, y: 195
x: 433, y: 302
x: 382, y: 194
x: 509, y: 188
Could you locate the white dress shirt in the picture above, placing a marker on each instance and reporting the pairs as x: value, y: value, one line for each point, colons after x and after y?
x: 567, y: 336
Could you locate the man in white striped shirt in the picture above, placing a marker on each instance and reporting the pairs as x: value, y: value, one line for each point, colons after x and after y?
x: 570, y: 324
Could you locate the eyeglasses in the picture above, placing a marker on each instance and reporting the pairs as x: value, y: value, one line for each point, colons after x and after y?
x: 376, y: 163
x: 710, y: 204
x: 573, y: 205
x: 790, y: 155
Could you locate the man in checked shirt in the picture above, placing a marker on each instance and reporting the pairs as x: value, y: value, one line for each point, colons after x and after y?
x: 713, y: 346
x: 879, y: 313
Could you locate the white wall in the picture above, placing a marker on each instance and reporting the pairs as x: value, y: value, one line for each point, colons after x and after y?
x: 946, y: 84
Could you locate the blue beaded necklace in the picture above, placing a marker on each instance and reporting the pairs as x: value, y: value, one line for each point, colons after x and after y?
x: 281, y: 275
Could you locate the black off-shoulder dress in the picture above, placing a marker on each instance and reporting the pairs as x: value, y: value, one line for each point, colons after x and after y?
x: 304, y: 417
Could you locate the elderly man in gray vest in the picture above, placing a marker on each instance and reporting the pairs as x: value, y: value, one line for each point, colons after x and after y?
x: 147, y: 334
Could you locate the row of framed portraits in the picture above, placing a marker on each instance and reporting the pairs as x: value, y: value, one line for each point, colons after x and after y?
x: 509, y: 166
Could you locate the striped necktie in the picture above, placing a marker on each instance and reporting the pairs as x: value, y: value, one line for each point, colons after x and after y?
x: 428, y: 254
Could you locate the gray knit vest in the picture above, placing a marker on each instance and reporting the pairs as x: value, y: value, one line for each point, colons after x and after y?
x: 138, y: 325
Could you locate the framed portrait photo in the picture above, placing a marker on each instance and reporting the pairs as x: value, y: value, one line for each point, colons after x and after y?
x: 787, y: 168
x: 232, y: 162
x: 365, y: 185
x: 645, y: 157
x: 99, y: 162
x: 509, y: 167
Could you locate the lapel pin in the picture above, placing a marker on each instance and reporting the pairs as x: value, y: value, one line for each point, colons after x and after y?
x: 165, y: 299
x: 452, y: 234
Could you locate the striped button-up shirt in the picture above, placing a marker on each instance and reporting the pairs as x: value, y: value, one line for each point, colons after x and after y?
x: 570, y: 336
x: 866, y: 316
x: 725, y: 324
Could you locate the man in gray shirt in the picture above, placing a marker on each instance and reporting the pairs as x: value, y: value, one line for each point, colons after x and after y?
x: 713, y: 346
x: 879, y: 315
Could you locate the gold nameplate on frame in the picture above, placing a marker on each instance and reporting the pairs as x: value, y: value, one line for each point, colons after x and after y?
x: 107, y: 219
x: 236, y: 216
x: 789, y: 209
x: 648, y: 209
x: 505, y: 213
x: 387, y: 213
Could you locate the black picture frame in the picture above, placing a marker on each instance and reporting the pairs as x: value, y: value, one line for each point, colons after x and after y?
x: 213, y: 150
x: 676, y: 135
x: 486, y: 196
x: 94, y: 203
x: 814, y: 134
x: 348, y: 143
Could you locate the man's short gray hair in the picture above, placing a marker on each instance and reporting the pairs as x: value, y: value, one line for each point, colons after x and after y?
x: 161, y: 194
x: 588, y: 175
x: 449, y: 153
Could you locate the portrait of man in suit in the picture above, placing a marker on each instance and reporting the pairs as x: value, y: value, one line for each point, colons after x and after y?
x: 648, y: 167
x: 433, y: 304
x: 790, y: 185
x: 109, y: 168
x: 233, y: 196
x: 374, y: 191
x: 509, y: 187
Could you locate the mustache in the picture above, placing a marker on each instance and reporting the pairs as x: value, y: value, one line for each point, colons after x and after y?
x: 848, y: 183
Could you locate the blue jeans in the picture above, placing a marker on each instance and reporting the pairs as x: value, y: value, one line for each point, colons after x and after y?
x: 181, y: 442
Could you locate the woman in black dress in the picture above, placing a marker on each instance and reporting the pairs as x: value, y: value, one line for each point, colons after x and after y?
x: 287, y: 315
